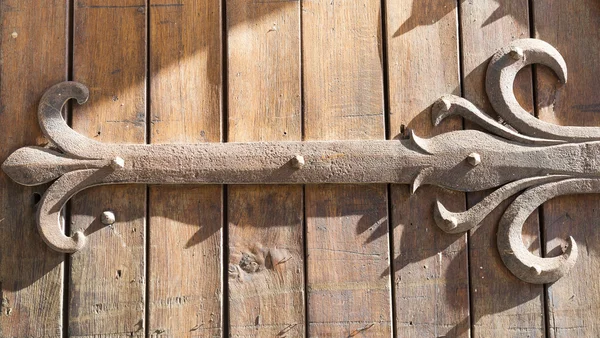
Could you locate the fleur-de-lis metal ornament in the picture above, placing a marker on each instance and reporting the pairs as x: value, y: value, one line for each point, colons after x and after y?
x: 541, y: 159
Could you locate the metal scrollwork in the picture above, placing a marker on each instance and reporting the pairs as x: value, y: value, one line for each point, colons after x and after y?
x: 540, y: 160
x: 500, y: 77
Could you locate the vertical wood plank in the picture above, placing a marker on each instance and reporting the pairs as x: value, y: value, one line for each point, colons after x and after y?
x: 430, y: 266
x: 266, y: 289
x: 574, y: 29
x: 185, y: 224
x: 107, y: 277
x: 501, y: 304
x: 266, y: 253
x: 185, y: 262
x: 33, y: 57
x: 348, y: 279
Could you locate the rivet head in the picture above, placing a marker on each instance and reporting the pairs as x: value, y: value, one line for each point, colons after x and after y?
x: 516, y: 53
x: 107, y: 218
x: 298, y: 161
x: 117, y: 163
x: 474, y: 159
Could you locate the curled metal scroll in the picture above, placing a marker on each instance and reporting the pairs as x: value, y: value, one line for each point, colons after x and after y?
x: 501, y: 73
x: 541, y: 159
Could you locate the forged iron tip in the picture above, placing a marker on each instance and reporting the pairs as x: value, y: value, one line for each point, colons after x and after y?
x: 517, y: 53
x: 82, y: 93
x: 442, y: 108
x: 571, y: 249
x: 19, y: 166
x: 446, y: 220
x: 442, y: 217
x: 420, y: 179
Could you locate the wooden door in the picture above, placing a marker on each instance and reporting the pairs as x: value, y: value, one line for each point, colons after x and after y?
x: 285, y: 260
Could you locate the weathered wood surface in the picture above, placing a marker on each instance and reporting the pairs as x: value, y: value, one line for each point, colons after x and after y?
x: 107, y: 279
x: 573, y: 28
x: 265, y: 223
x: 502, y: 305
x: 185, y: 294
x: 309, y: 70
x: 430, y: 271
x: 347, y: 238
x: 33, y: 58
x: 185, y: 262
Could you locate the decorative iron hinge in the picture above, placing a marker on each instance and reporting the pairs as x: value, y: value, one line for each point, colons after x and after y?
x: 543, y: 159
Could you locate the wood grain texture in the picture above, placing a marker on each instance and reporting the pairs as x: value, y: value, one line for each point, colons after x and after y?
x: 430, y: 267
x: 265, y: 223
x: 185, y: 261
x: 348, y: 276
x: 574, y: 29
x: 33, y: 57
x: 342, y: 70
x: 264, y: 98
x: 185, y: 225
x: 502, y: 305
x: 107, y: 278
x: 347, y: 237
x: 266, y: 261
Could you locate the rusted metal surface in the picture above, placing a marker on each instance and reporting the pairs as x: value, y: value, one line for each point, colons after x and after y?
x: 546, y: 159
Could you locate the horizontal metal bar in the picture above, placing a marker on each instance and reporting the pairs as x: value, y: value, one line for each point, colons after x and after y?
x: 548, y: 160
